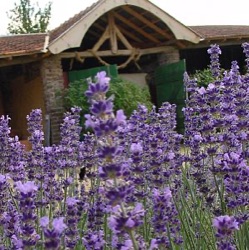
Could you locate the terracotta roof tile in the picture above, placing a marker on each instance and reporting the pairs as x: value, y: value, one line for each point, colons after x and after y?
x: 221, y: 31
x: 34, y: 43
x: 22, y: 44
x: 57, y: 32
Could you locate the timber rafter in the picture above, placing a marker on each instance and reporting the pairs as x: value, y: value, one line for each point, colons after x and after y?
x: 126, y: 38
x: 150, y: 24
x: 116, y: 37
x: 143, y: 21
x: 128, y: 30
x: 113, y: 34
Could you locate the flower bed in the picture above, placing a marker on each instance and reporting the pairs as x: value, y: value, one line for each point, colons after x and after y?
x: 150, y: 187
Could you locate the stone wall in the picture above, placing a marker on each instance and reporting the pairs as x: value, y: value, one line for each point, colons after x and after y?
x: 172, y: 55
x: 52, y: 77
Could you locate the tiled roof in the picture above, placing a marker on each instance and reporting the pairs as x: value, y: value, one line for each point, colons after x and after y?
x: 221, y: 31
x: 22, y: 44
x: 34, y: 43
x: 57, y: 32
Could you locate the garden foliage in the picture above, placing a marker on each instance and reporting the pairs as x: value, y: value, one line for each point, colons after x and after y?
x: 127, y: 95
x: 203, y: 77
x: 144, y: 188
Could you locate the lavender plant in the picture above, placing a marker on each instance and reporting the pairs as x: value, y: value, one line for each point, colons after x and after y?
x: 146, y: 186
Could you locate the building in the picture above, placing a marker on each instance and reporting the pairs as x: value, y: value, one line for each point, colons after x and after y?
x: 135, y: 35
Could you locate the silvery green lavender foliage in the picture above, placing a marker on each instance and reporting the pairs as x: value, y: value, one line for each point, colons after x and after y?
x: 146, y: 186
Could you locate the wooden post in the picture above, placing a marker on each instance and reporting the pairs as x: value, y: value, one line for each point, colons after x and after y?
x: 112, y: 32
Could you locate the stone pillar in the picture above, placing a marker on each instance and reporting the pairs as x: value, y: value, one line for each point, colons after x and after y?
x: 172, y: 55
x: 52, y: 77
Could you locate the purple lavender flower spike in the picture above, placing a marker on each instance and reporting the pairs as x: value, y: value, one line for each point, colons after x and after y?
x: 101, y: 108
x: 53, y: 235
x: 94, y: 240
x: 16, y: 242
x: 121, y: 223
x: 72, y: 219
x: 70, y: 128
x: 136, y: 148
x: 35, y: 156
x: 189, y: 84
x: 114, y: 167
x: 44, y: 221
x: 26, y: 188
x: 17, y: 160
x: 98, y: 89
x: 58, y: 225
x: 27, y: 194
x: 225, y: 226
x: 96, y: 212
x: 165, y: 221
x: 214, y: 52
x: 10, y: 220
x: 3, y: 193
x: 245, y: 47
x: 35, y: 128
x: 120, y: 117
x: 4, y: 143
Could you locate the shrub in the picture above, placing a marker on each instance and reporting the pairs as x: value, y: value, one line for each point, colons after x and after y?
x: 127, y: 95
x: 203, y: 77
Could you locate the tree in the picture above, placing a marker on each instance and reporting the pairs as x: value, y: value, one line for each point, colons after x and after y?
x: 27, y: 18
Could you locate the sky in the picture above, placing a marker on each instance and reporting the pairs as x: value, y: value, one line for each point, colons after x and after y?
x: 188, y: 12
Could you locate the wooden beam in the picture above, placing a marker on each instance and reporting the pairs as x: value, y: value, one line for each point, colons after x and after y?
x: 122, y: 29
x: 97, y: 25
x: 93, y: 33
x: 147, y: 22
x: 136, y: 28
x: 130, y: 35
x: 88, y: 53
x: 113, y: 33
x: 107, y: 53
x: 123, y: 38
x: 151, y: 25
x: 18, y: 60
x: 102, y: 39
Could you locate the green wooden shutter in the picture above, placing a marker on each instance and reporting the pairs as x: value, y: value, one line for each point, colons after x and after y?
x: 169, y: 88
x: 111, y: 70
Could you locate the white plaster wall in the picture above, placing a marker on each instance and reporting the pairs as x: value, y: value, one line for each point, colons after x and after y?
x: 139, y: 78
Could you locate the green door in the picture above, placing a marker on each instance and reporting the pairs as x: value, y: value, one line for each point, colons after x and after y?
x: 169, y: 88
x: 111, y: 70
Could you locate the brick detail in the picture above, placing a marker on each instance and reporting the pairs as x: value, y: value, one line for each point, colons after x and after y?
x: 53, y: 84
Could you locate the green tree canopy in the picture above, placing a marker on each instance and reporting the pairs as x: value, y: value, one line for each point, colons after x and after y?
x: 27, y: 17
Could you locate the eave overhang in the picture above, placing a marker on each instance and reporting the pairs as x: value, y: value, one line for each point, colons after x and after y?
x: 73, y: 36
